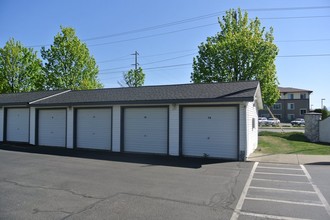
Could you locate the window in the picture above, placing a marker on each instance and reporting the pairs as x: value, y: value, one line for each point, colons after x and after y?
x: 253, y: 123
x: 277, y: 106
x: 303, y: 111
x: 291, y: 117
x: 303, y: 96
x: 290, y: 96
x: 278, y: 116
x: 290, y: 106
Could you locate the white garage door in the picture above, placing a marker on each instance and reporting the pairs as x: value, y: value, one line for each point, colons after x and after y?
x: 17, y: 124
x: 52, y: 127
x: 146, y: 130
x: 94, y: 128
x: 210, y: 131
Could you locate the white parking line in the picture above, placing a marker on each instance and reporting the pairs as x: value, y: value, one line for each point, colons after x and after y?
x: 318, y: 192
x: 238, y: 210
x: 278, y: 168
x: 285, y: 201
x: 280, y: 181
x: 278, y: 189
x: 270, y: 216
x: 281, y: 174
x: 240, y: 202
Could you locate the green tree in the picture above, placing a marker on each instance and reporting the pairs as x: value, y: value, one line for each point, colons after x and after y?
x: 20, y: 69
x: 242, y: 50
x: 68, y: 64
x: 134, y: 77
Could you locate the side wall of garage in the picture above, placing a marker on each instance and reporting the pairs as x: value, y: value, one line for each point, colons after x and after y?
x: 252, y: 127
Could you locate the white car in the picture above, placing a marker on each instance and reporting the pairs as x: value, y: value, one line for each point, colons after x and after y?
x: 273, y: 121
x: 262, y: 120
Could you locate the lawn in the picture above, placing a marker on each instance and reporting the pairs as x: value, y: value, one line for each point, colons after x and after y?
x: 289, y: 143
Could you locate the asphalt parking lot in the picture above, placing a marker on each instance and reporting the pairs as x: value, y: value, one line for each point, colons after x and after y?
x: 51, y: 183
x: 55, y: 184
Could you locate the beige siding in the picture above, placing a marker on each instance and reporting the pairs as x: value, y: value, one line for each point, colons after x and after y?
x: 242, y: 130
x: 174, y: 130
x: 116, y: 128
x: 32, y: 125
x: 69, y: 131
x: 1, y: 124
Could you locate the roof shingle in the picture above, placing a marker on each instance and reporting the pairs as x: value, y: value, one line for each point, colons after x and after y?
x: 25, y: 98
x: 208, y: 92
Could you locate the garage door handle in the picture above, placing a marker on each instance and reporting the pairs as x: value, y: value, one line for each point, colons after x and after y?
x: 208, y: 138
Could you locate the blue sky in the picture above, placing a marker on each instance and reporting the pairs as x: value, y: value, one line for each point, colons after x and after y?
x: 166, y: 35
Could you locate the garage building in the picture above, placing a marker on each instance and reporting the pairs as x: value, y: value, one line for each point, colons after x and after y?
x: 215, y: 120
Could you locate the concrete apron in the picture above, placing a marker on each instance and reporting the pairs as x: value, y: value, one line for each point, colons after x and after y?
x: 290, y: 158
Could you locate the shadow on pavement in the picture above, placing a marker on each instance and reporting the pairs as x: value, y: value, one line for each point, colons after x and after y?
x: 150, y: 159
x: 318, y: 163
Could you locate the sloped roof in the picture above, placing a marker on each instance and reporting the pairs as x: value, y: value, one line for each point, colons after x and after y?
x: 25, y: 98
x: 292, y: 90
x: 189, y: 93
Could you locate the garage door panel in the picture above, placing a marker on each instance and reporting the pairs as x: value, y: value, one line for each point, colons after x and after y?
x: 94, y: 128
x: 146, y: 130
x: 210, y: 131
x: 52, y: 127
x: 17, y: 128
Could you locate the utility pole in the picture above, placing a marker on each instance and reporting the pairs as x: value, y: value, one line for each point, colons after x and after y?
x: 136, y: 67
x: 136, y: 59
x: 322, y: 103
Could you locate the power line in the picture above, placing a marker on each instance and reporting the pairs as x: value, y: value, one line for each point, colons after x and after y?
x: 305, y: 55
x: 302, y: 40
x: 115, y: 59
x: 186, y: 64
x: 196, y: 27
x: 296, y: 17
x: 199, y: 18
x: 149, y: 36
x: 150, y: 68
x: 173, y: 52
x: 173, y: 58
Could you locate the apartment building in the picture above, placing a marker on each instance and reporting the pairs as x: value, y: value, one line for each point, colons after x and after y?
x: 293, y: 103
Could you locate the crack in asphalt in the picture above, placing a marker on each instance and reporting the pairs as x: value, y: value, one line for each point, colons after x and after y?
x: 216, y: 200
x: 51, y: 188
x: 90, y: 206
x: 36, y: 211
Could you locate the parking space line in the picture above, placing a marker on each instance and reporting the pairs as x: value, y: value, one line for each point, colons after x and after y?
x: 281, y: 174
x: 286, y: 190
x: 270, y: 216
x: 240, y: 202
x: 280, y: 181
x: 285, y: 201
x: 318, y: 192
x: 278, y: 168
